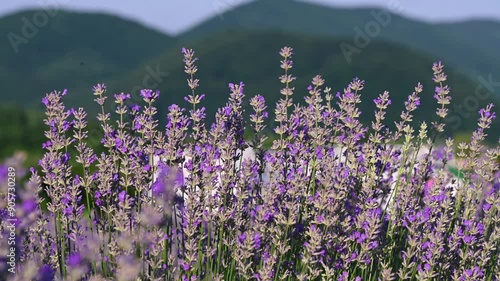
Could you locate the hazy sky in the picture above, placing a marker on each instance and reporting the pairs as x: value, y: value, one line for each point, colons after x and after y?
x: 174, y: 16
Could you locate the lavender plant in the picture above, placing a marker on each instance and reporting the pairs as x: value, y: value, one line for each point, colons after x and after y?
x: 333, y: 199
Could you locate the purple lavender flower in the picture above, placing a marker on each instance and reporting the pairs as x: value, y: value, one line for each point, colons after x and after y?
x: 122, y: 195
x: 74, y: 260
x: 46, y: 273
x: 29, y: 206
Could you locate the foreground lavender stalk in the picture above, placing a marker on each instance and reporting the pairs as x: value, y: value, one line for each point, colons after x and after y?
x: 332, y: 199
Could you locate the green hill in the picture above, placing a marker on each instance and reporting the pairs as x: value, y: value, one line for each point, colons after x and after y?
x: 72, y: 50
x: 471, y: 46
x: 252, y: 57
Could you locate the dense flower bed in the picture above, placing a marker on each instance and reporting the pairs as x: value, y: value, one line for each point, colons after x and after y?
x: 339, y: 201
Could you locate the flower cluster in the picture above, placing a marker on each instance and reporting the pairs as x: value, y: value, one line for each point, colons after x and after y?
x: 332, y: 199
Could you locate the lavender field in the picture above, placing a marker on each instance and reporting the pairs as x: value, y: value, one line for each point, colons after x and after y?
x: 331, y: 199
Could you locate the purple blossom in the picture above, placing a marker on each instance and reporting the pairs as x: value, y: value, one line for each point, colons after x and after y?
x: 121, y: 97
x: 135, y: 107
x: 257, y: 240
x: 242, y: 237
x: 122, y: 196
x: 99, y: 88
x: 29, y: 206
x: 74, y: 260
x: 46, y: 273
x: 45, y: 101
x: 46, y: 145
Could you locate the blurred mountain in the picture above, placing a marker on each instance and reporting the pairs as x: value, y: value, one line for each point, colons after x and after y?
x: 70, y: 50
x: 471, y: 46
